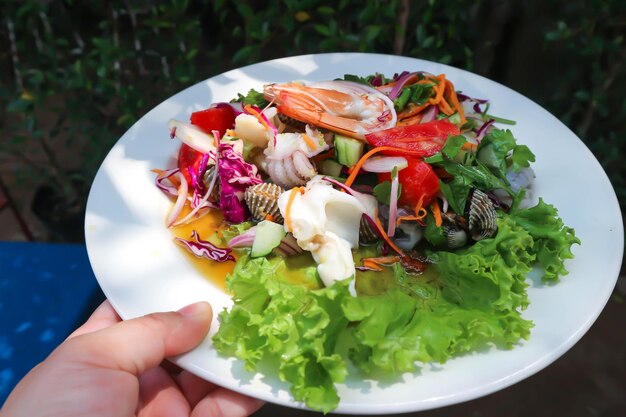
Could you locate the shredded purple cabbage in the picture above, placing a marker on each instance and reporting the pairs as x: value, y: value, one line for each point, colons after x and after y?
x: 235, y: 176
x: 204, y: 249
x: 377, y: 81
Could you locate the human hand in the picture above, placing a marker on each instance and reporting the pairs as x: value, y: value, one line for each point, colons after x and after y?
x: 115, y: 368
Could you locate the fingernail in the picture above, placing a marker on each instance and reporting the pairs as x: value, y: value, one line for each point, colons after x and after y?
x: 195, y: 309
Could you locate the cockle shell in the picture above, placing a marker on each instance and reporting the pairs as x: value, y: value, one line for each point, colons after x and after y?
x: 366, y: 233
x: 454, y: 230
x: 482, y: 216
x: 262, y: 199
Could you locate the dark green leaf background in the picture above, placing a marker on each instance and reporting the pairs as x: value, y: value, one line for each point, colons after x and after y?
x: 76, y: 75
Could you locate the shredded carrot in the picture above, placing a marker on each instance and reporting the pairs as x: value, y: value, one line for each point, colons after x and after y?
x: 324, y: 155
x: 231, y: 132
x: 309, y: 142
x: 383, y: 233
x: 437, y: 213
x: 439, y: 88
x: 250, y: 110
x: 469, y: 146
x: 383, y: 260
x: 269, y: 217
x: 371, y: 265
x: 454, y: 100
x: 292, y: 196
x: 412, y: 110
x: 357, y: 167
x: 445, y: 107
x: 409, y: 121
x: 420, y: 213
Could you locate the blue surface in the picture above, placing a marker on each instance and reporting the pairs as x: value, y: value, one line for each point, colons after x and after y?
x: 46, y: 291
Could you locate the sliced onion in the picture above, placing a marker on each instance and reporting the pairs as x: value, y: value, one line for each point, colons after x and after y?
x: 381, y: 164
x: 244, y: 240
x: 429, y: 114
x: 404, y: 78
x: 393, y: 206
x: 162, y: 177
x: 192, y: 136
x: 180, y: 201
x: 480, y: 134
x: 204, y: 203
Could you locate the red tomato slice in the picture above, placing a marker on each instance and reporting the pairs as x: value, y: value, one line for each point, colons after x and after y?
x: 425, y: 139
x: 418, y: 181
x: 188, y: 158
x: 214, y: 118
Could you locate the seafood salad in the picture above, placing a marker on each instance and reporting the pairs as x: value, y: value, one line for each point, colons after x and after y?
x: 383, y: 221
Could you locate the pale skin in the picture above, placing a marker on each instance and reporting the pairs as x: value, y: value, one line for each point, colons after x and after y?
x: 114, y: 368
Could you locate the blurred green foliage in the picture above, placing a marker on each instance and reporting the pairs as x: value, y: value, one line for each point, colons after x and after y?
x: 77, y: 74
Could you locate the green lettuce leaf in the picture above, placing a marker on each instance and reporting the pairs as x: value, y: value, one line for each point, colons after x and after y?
x: 291, y: 324
x: 467, y: 300
x: 552, y: 239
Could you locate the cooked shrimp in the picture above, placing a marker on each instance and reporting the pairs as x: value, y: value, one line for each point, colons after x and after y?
x: 341, y: 106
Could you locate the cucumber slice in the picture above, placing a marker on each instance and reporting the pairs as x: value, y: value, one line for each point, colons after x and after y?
x: 330, y: 167
x: 455, y: 118
x: 348, y: 150
x: 268, y: 236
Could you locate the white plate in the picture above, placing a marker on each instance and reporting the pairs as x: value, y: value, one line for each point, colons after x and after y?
x: 141, y: 270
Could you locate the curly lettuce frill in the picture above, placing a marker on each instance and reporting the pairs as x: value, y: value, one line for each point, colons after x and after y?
x: 299, y: 326
x: 473, y: 301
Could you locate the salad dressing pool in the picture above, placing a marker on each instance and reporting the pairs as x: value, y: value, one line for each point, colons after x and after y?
x: 209, y: 227
x: 299, y: 270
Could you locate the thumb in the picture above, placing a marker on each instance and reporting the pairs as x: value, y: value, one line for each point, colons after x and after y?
x: 142, y: 343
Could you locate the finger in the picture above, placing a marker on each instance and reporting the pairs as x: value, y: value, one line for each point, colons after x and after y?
x: 159, y: 396
x: 103, y: 317
x: 193, y: 388
x: 225, y: 403
x: 140, y: 344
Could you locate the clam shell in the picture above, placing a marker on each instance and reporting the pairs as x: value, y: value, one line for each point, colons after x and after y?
x: 366, y: 233
x: 455, y: 236
x: 454, y: 230
x: 262, y: 199
x: 482, y: 216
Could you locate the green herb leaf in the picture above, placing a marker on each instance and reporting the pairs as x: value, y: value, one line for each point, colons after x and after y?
x: 453, y: 145
x: 433, y: 234
x: 253, y: 98
x: 521, y: 158
x: 382, y: 191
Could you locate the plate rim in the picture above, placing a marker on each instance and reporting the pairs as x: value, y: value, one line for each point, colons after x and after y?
x: 409, y: 406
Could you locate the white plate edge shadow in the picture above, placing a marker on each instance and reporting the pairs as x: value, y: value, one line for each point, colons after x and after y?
x: 357, y: 407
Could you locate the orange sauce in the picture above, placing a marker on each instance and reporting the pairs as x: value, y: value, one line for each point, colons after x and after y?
x: 209, y: 227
